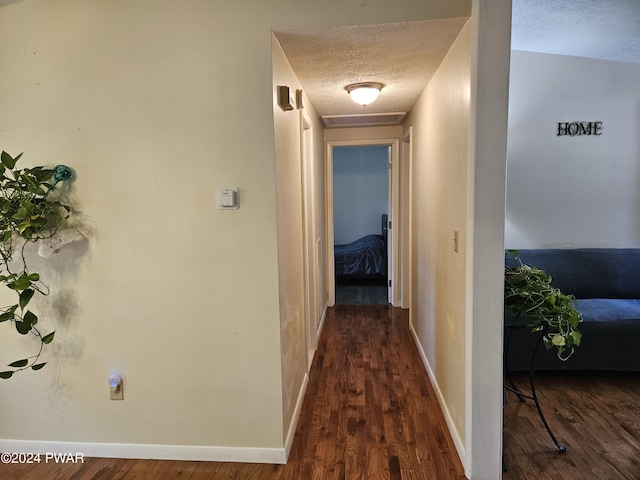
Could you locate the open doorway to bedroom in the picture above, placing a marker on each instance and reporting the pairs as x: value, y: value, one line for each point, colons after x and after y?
x: 361, y: 201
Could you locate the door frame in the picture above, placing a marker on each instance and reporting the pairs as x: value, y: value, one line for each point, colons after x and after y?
x: 393, y: 235
x: 404, y: 224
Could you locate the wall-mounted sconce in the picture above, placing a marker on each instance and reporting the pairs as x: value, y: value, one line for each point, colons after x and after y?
x: 365, y: 92
x: 116, y: 388
x: 285, y: 98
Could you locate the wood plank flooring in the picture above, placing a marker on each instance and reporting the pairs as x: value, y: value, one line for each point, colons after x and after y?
x: 595, y: 415
x: 369, y: 413
x: 361, y: 292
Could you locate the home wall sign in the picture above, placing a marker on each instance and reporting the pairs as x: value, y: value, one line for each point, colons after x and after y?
x: 573, y: 129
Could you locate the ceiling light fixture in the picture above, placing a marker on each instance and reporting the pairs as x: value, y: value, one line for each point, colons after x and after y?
x: 365, y: 92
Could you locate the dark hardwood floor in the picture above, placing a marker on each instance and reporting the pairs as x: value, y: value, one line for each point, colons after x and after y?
x: 361, y: 292
x: 595, y: 415
x: 370, y: 413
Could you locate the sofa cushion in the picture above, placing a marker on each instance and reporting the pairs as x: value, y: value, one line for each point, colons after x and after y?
x: 590, y: 272
x: 610, y: 310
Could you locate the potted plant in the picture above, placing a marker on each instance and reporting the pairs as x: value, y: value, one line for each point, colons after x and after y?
x: 529, y: 295
x: 26, y: 215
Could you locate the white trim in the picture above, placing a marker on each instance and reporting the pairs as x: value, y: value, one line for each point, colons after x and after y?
x: 406, y: 202
x: 322, y: 319
x: 330, y: 267
x: 150, y: 451
x: 457, y: 441
x: 296, y: 416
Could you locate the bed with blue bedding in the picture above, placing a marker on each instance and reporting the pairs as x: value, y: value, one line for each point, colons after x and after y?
x: 365, y: 257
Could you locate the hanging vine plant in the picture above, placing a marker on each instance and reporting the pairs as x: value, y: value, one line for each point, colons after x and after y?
x: 528, y: 293
x: 26, y: 216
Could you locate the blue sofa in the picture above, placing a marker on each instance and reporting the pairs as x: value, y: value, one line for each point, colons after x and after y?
x: 606, y: 284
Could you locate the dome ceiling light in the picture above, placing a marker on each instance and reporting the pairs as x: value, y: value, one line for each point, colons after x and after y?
x: 365, y: 92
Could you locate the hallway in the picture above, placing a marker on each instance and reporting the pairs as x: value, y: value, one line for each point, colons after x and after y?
x: 369, y: 413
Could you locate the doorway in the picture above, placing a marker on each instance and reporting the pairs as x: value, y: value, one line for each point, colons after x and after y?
x: 360, y: 225
x: 362, y: 248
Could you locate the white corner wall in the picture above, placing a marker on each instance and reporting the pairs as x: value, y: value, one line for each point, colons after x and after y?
x: 458, y: 141
x: 580, y: 191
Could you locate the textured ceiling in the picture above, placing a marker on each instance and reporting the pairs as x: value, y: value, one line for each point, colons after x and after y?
x: 402, y: 56
x: 602, y: 29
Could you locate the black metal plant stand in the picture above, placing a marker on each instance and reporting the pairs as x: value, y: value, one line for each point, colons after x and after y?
x: 532, y: 380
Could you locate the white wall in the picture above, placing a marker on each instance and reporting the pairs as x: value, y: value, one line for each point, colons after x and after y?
x: 154, y: 104
x: 581, y: 191
x: 360, y: 191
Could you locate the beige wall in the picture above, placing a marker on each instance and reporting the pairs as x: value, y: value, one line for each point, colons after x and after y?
x: 180, y: 297
x: 154, y: 104
x: 293, y: 322
x: 440, y: 139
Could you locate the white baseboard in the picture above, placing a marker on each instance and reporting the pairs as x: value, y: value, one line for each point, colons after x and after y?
x: 148, y: 451
x: 165, y: 452
x: 296, y: 416
x: 322, y: 318
x: 457, y: 441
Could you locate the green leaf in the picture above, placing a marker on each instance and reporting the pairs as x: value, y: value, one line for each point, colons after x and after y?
x: 42, y: 174
x: 21, y: 283
x: 576, y: 336
x: 23, y: 327
x: 38, y: 366
x: 21, y: 214
x: 30, y: 318
x: 574, y: 319
x: 19, y: 363
x: 6, y: 374
x: 48, y: 338
x: 25, y: 297
x: 23, y: 227
x: 8, y: 161
x: 8, y: 315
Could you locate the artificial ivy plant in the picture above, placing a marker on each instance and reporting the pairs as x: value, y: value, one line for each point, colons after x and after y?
x: 26, y: 215
x: 528, y: 293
